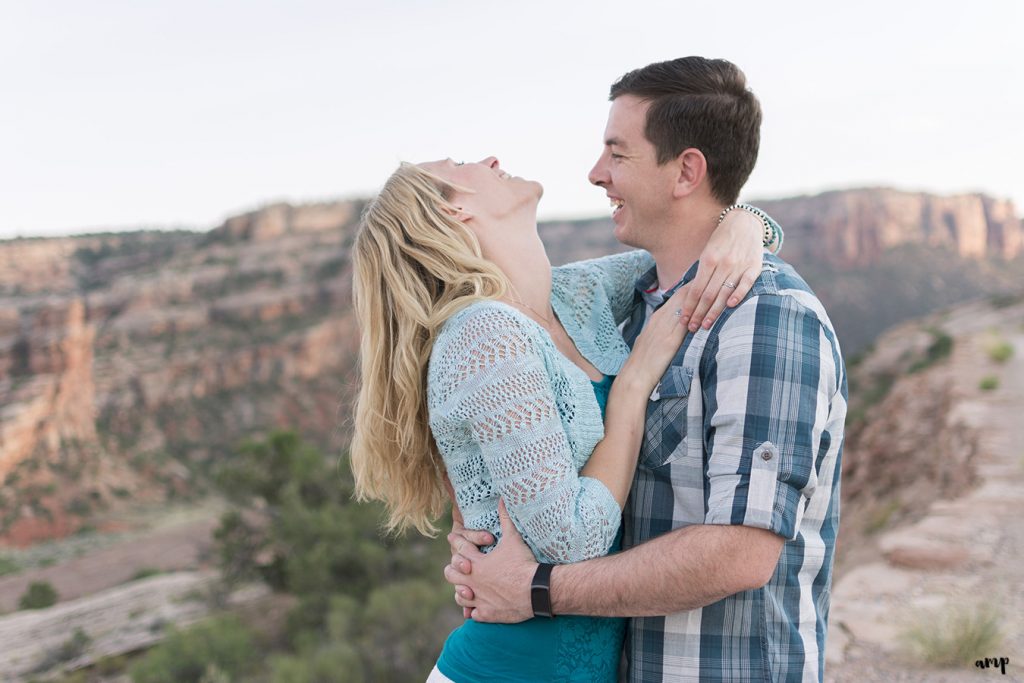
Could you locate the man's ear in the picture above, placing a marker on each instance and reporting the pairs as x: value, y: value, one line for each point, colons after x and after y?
x: 692, y: 171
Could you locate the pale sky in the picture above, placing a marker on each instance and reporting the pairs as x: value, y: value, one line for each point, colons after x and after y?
x: 117, y: 115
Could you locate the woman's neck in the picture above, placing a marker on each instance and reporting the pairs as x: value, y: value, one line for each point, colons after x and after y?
x: 521, y: 256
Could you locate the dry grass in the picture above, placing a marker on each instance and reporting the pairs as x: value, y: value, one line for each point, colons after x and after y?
x: 882, y: 516
x: 999, y: 350
x: 956, y: 635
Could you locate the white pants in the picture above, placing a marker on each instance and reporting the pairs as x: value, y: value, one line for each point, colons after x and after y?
x: 437, y: 677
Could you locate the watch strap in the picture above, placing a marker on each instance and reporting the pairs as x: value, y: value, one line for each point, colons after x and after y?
x: 540, y: 591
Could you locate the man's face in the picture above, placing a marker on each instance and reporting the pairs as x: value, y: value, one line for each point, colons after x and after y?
x: 637, y: 186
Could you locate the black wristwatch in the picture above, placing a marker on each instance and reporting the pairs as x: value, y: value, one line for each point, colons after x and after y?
x: 540, y: 591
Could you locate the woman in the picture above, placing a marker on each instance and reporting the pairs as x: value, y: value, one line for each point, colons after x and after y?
x: 482, y: 363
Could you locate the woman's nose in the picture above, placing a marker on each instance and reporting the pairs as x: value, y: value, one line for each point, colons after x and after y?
x: 490, y: 162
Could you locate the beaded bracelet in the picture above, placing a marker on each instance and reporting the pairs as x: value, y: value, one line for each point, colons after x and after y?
x: 771, y: 230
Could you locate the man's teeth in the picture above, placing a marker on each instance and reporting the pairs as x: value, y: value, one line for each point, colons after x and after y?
x: 617, y: 203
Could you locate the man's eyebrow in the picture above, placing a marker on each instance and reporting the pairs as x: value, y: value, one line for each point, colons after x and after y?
x: 614, y: 141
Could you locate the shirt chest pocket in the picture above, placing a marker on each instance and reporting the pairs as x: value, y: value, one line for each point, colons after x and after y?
x: 665, y: 426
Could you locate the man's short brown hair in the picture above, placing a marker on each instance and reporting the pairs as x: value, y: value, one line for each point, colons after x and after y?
x: 701, y: 103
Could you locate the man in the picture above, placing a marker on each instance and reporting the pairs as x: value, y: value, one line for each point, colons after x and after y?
x: 731, y: 523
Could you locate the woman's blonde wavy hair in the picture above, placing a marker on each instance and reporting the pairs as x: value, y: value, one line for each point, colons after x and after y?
x: 415, y: 266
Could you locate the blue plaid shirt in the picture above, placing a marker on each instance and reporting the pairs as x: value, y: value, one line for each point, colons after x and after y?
x: 745, y: 428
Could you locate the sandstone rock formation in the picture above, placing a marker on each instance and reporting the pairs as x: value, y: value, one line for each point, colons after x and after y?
x: 128, y: 363
x: 131, y: 363
x: 854, y: 227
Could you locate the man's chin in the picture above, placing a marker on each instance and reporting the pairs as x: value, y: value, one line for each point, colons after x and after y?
x: 622, y: 235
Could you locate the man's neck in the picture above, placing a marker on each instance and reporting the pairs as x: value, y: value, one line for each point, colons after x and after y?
x: 684, y: 243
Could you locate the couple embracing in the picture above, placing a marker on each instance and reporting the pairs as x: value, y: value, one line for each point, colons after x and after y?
x: 643, y: 449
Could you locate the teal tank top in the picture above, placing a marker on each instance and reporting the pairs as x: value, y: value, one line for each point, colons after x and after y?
x: 566, y: 648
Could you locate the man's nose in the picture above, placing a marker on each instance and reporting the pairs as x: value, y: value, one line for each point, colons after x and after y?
x: 490, y: 162
x: 598, y: 174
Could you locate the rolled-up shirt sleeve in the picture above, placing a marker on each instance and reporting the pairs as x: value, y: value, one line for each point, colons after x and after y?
x: 769, y: 377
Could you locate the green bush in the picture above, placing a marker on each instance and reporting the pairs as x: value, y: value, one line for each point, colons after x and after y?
x: 331, y: 663
x: 144, y: 573
x: 213, y: 674
x: 8, y: 565
x: 218, y: 647
x: 394, y: 636
x: 1005, y: 300
x: 863, y: 398
x: 989, y: 383
x: 72, y: 648
x: 400, y: 624
x: 369, y: 607
x: 238, y: 545
x: 111, y: 665
x: 40, y: 594
x: 78, y: 506
x: 941, y: 347
x: 1000, y: 350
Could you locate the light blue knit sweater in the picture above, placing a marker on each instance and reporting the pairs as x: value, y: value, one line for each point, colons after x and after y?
x: 514, y: 418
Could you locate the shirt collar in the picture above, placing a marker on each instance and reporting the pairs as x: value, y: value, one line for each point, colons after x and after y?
x: 647, y: 285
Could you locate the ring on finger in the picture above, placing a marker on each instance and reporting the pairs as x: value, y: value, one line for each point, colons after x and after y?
x: 730, y: 285
x: 678, y: 313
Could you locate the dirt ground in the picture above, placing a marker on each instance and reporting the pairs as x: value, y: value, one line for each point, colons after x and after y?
x: 964, y: 554
x: 178, y: 540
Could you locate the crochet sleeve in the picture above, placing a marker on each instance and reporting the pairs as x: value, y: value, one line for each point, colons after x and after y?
x: 616, y: 275
x: 493, y: 387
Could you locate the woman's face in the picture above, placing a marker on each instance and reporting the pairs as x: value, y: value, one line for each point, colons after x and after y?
x: 483, y: 190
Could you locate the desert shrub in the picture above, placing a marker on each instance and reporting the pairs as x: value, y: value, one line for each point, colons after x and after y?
x: 78, y: 506
x: 1000, y: 350
x: 941, y: 347
x: 332, y: 663
x: 239, y: 545
x: 72, y: 648
x: 145, y: 573
x: 956, y: 635
x: 1005, y: 300
x: 8, y: 565
x: 221, y: 645
x: 214, y: 674
x: 989, y: 383
x: 111, y: 664
x: 400, y: 623
x: 369, y: 607
x: 862, y: 398
x: 39, y: 594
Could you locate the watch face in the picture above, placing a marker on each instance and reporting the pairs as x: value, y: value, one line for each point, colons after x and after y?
x: 540, y: 598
